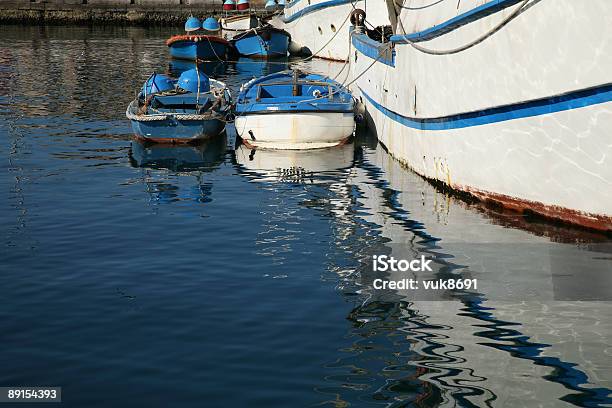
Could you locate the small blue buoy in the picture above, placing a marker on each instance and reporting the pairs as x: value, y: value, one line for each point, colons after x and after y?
x: 211, y: 24
x: 270, y: 5
x: 192, y: 24
x: 157, y: 83
x: 189, y: 81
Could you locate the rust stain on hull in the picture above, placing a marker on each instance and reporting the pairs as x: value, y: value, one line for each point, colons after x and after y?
x: 595, y: 222
x: 592, y: 221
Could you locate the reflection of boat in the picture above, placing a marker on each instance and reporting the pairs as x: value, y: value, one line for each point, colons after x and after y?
x: 295, y: 166
x: 210, y: 68
x: 291, y: 110
x: 514, y: 326
x: 470, y: 95
x: 262, y: 42
x: 208, y: 154
x: 248, y: 68
x: 184, y: 111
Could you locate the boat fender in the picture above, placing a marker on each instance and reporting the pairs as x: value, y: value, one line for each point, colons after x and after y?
x: 252, y: 136
x: 298, y: 49
x: 358, y: 17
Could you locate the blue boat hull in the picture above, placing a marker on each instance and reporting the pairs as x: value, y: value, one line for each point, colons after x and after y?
x: 177, y: 130
x: 201, y: 50
x: 258, y: 46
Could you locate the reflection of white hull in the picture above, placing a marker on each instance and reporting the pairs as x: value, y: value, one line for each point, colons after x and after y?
x: 556, y: 163
x: 295, y: 165
x: 303, y: 130
x: 327, y: 28
x: 569, y: 331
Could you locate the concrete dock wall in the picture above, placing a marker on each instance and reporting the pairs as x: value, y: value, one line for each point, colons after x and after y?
x: 111, y: 11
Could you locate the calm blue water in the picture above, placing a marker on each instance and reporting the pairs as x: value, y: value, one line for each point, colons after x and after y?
x: 148, y: 276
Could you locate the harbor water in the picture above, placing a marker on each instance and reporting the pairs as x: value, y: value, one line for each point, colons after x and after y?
x: 156, y: 276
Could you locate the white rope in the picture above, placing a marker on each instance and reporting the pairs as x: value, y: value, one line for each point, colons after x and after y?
x: 478, y: 40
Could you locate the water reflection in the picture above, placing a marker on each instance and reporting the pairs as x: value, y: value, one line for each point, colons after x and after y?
x: 212, y: 69
x: 205, y: 156
x: 180, y: 163
x: 472, y: 351
x: 295, y: 166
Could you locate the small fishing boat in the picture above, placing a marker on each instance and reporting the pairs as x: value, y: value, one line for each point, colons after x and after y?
x: 187, y: 110
x: 194, y: 46
x: 264, y: 41
x: 292, y: 110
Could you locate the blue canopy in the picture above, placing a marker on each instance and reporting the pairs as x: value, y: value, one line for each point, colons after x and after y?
x: 189, y: 81
x: 192, y: 24
x: 211, y: 24
x: 157, y: 83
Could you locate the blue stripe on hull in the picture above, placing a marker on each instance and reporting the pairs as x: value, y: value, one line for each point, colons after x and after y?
x: 313, y: 8
x: 179, y: 130
x: 373, y: 49
x: 204, y: 50
x: 476, y: 13
x: 558, y: 103
x: 256, y: 46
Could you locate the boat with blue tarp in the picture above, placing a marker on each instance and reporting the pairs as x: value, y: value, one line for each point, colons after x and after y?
x: 264, y: 41
x: 195, y: 46
x: 294, y: 110
x: 187, y: 110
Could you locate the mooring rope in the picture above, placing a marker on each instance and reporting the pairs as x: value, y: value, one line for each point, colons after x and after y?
x: 477, y: 41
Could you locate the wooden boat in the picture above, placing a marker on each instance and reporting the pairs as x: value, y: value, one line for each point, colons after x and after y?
x: 189, y: 110
x: 262, y: 42
x: 292, y: 110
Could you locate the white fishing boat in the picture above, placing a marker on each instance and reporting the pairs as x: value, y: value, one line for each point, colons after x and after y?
x: 236, y: 24
x: 508, y: 100
x: 321, y: 27
x: 292, y: 110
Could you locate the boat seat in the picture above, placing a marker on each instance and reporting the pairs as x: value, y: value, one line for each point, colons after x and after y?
x: 179, y: 101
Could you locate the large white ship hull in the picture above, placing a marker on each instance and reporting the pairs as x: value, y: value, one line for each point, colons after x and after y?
x: 523, y: 118
x: 322, y: 26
